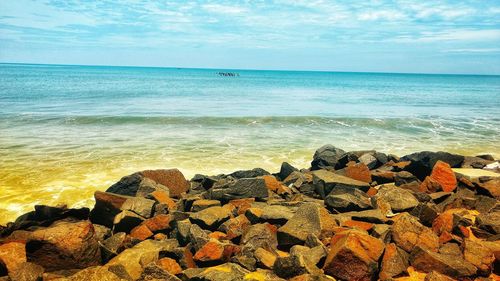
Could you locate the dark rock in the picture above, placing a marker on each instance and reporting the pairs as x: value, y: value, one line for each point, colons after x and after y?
x: 154, y: 272
x: 242, y: 188
x: 475, y: 162
x: 126, y: 221
x: 404, y: 177
x: 422, y: 162
x: 287, y: 267
x: 345, y: 199
x: 325, y: 181
x: 285, y: 170
x: 257, y: 172
x: 425, y: 212
x: 113, y: 246
x: 381, y: 176
x: 326, y: 156
x: 274, y: 214
x: 489, y: 222
x: 202, y: 204
x: 64, y: 245
x: 108, y: 205
x: 309, y: 218
x: 369, y: 160
x: 426, y: 260
x: 197, y: 237
x: 206, y: 182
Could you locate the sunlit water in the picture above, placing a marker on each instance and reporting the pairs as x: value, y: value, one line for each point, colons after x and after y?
x: 66, y: 131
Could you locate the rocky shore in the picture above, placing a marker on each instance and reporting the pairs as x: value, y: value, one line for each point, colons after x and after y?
x: 359, y: 215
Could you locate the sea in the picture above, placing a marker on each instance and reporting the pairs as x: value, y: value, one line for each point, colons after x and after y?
x: 67, y: 131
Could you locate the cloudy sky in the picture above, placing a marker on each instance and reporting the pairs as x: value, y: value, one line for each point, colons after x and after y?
x: 386, y: 36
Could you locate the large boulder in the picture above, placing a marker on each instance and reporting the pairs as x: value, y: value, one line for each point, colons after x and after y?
x: 326, y: 156
x: 241, y: 188
x: 256, y: 172
x: 422, y: 162
x: 325, y: 181
x: 285, y: 170
x: 309, y: 218
x: 353, y: 255
x: 394, y: 262
x: 64, y: 245
x: 444, y: 176
x: 12, y: 256
x: 172, y: 179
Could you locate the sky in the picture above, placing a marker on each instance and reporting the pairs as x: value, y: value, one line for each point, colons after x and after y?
x: 371, y: 36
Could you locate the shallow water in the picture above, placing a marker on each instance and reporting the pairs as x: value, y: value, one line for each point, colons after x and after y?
x: 66, y: 131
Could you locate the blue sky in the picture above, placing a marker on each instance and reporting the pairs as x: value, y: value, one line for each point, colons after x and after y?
x: 386, y: 36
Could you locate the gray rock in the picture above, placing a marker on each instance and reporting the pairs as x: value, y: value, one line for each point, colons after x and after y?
x: 426, y: 260
x: 259, y: 236
x: 285, y: 170
x: 211, y: 218
x: 326, y: 156
x: 273, y: 214
x: 242, y: 188
x: 422, y: 162
x: 113, y: 246
x: 399, y: 199
x: 125, y: 221
x: 288, y: 267
x: 153, y: 272
x: 489, y: 222
x: 197, y: 237
x: 257, y: 172
x: 325, y: 181
x: 346, y: 199
x: 369, y: 160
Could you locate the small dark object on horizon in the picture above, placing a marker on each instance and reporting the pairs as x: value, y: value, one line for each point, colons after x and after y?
x: 228, y: 74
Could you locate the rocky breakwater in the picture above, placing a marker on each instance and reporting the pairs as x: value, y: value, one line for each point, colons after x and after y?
x: 359, y: 215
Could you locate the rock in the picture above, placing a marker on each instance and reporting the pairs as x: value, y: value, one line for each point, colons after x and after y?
x: 273, y: 214
x: 288, y: 267
x: 426, y: 260
x: 444, y: 175
x: 325, y: 181
x: 113, y: 246
x: 133, y: 260
x: 169, y: 265
x: 156, y: 272
x: 475, y: 162
x: 197, y: 237
x: 382, y: 176
x: 259, y: 236
x: 28, y: 272
x: 285, y: 170
x: 422, y: 162
x: 490, y: 187
x: 408, y: 232
x: 95, y: 273
x: 202, y: 204
x: 141, y: 232
x: 242, y: 188
x: 159, y: 223
x: 223, y: 272
x: 358, y: 171
x: 345, y: 199
x: 399, y: 199
x: 489, y: 222
x: 211, y: 218
x: 309, y: 218
x: 425, y: 212
x: 234, y: 227
x: 12, y: 256
x: 436, y: 276
x: 215, y: 252
x: 326, y: 156
x: 369, y: 160
x: 64, y: 245
x: 394, y: 262
x: 147, y: 181
x: 265, y: 258
x: 126, y: 221
x: 479, y: 255
x: 257, y: 172
x: 108, y: 205
x: 275, y: 186
x: 404, y: 177
x: 353, y: 255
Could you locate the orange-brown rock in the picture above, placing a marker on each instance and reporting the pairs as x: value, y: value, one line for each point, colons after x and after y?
x: 358, y: 171
x: 163, y: 197
x: 372, y: 192
x: 492, y: 186
x: 64, y: 245
x: 407, y: 232
x: 235, y: 227
x: 353, y: 255
x: 141, y: 232
x: 443, y: 226
x: 158, y: 223
x: 394, y: 262
x: 430, y: 185
x: 169, y: 265
x: 444, y: 175
x: 160, y: 236
x: 479, y: 255
x: 358, y: 224
x: 218, y: 235
x: 265, y: 258
x: 12, y: 255
x: 242, y: 205
x: 214, y: 252
x: 171, y: 178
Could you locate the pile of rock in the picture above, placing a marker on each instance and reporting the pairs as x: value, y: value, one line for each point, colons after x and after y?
x: 359, y: 215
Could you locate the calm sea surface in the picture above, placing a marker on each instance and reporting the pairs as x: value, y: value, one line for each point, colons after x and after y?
x: 66, y: 131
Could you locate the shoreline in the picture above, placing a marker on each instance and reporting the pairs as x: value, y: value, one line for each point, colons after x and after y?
x: 387, y: 215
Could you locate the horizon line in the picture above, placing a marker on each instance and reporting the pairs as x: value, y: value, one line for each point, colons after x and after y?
x: 249, y: 69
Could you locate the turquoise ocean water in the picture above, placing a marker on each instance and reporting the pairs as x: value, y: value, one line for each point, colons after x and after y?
x: 66, y: 131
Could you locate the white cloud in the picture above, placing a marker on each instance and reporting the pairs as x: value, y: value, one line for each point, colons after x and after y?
x: 224, y: 9
x: 473, y: 50
x: 386, y: 15
x: 452, y: 35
